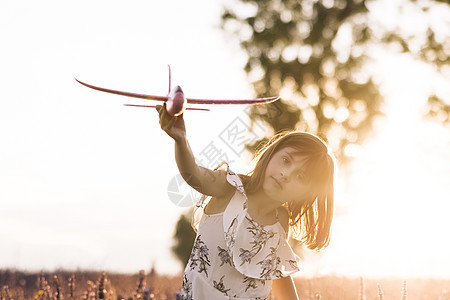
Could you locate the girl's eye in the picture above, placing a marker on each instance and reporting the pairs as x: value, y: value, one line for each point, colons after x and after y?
x: 285, y: 160
x: 300, y: 176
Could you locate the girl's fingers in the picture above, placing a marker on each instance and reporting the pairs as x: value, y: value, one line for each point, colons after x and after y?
x: 166, y: 121
x: 167, y: 127
x: 170, y: 123
x: 164, y: 116
x: 160, y: 108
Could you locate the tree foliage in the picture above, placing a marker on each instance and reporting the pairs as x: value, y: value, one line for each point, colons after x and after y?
x: 315, y: 54
x: 184, y: 238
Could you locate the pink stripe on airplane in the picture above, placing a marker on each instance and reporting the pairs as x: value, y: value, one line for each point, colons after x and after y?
x: 232, y: 101
x: 128, y: 94
x: 188, y: 108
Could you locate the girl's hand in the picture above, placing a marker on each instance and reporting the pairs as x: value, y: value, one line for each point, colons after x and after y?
x: 173, y: 126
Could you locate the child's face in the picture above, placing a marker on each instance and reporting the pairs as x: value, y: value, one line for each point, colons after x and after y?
x: 284, y: 179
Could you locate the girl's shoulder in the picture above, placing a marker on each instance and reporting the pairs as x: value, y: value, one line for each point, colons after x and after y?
x: 218, y: 204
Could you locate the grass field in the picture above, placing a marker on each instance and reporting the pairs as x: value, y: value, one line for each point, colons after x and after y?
x: 97, y: 285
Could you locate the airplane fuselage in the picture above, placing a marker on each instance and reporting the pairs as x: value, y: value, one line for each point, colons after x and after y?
x: 176, y: 102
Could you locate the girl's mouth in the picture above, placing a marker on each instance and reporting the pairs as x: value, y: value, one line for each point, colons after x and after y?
x: 277, y: 182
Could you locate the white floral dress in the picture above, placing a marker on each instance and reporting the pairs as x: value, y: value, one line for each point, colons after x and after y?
x: 234, y: 257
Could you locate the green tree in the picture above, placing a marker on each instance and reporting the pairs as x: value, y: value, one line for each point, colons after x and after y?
x: 183, y: 238
x: 315, y: 54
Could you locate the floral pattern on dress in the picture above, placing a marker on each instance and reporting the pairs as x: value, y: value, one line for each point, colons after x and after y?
x: 199, y: 203
x: 260, y: 235
x: 293, y: 264
x: 233, y: 178
x: 225, y: 256
x: 260, y: 238
x: 246, y: 256
x: 231, y: 233
x: 220, y: 286
x: 186, y: 289
x: 252, y: 282
x: 269, y: 265
x: 199, y: 256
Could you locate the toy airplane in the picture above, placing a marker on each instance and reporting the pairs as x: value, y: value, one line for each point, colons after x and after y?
x: 176, y: 101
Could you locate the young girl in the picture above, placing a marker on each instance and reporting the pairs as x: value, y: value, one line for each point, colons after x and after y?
x: 241, y: 249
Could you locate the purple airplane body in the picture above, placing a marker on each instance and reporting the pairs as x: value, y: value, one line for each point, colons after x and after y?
x: 176, y: 101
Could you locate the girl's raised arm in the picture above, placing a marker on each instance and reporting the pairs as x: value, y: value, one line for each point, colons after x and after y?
x: 205, y: 181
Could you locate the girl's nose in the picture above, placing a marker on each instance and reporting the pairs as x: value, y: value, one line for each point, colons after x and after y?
x: 283, y: 175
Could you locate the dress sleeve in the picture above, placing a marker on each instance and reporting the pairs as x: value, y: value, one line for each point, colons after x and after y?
x: 198, y: 212
x: 199, y: 207
x: 257, y: 251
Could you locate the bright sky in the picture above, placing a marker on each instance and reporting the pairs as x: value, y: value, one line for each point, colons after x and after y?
x: 84, y: 180
x: 392, y: 210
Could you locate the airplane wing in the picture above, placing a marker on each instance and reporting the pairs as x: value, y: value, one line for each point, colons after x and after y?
x: 232, y: 101
x: 189, y: 100
x: 142, y: 96
x: 187, y: 108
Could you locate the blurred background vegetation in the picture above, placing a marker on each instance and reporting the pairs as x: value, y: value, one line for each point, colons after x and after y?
x: 90, y: 285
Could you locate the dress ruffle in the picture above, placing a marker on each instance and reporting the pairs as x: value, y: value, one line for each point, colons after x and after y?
x: 257, y: 251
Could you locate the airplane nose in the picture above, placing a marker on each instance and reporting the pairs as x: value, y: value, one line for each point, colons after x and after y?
x: 178, y: 89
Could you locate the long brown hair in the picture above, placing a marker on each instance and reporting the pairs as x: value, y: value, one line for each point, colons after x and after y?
x: 310, y: 218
